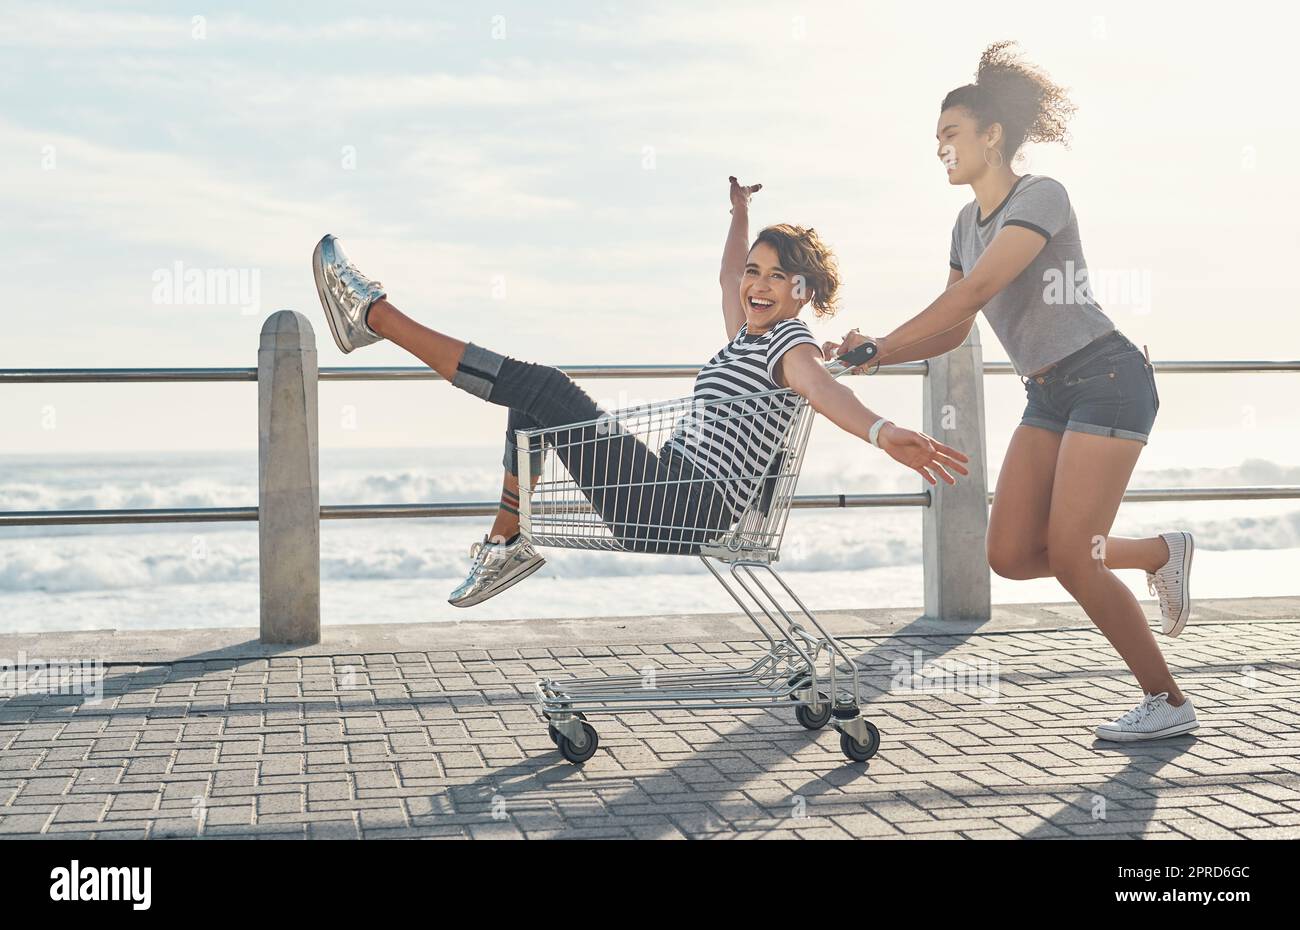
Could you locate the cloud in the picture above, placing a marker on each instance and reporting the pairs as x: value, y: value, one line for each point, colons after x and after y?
x: 147, y: 197
x: 752, y: 30
x: 47, y: 26
x: 160, y: 207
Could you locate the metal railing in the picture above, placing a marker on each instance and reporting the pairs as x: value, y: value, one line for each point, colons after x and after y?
x: 489, y: 508
x: 418, y: 373
x: 290, y: 513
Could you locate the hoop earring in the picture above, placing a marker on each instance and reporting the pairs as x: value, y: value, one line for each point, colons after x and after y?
x: 1001, y: 158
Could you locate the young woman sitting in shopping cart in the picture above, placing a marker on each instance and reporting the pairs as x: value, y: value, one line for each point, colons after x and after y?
x: 677, y: 496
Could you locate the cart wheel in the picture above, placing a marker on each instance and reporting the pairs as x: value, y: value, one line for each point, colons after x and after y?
x: 553, y: 733
x: 861, y: 752
x: 580, y: 752
x: 813, y: 716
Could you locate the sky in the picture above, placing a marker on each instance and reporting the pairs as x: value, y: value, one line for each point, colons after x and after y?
x: 549, y: 180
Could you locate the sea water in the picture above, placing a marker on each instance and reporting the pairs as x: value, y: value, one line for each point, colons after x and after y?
x: 161, y: 576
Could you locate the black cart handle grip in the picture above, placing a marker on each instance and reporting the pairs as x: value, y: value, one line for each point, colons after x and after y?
x: 859, y: 355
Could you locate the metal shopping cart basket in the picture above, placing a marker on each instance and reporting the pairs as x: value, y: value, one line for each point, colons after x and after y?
x: 803, y: 665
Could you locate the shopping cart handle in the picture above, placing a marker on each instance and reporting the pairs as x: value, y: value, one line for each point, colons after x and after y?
x: 859, y: 355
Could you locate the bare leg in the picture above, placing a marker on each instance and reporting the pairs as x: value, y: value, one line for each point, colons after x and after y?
x: 1017, y: 540
x: 441, y: 353
x: 1147, y: 554
x: 1091, y: 475
x: 1022, y: 503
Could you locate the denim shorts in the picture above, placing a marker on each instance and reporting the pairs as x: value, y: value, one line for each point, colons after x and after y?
x: 1107, y: 388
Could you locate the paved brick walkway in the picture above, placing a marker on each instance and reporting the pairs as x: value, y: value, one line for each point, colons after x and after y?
x: 445, y: 743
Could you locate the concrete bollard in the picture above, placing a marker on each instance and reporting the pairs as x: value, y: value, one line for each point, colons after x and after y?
x: 956, y: 523
x: 288, y: 469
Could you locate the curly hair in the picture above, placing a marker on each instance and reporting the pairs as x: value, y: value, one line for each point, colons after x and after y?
x: 1019, y: 95
x: 803, y: 254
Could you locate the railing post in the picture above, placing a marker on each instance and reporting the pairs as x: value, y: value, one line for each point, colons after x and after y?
x: 288, y: 471
x: 956, y: 522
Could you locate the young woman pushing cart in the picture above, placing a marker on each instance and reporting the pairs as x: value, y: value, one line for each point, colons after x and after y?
x: 1091, y: 393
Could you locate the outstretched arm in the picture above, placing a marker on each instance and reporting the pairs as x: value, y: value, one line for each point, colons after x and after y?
x: 734, y: 253
x: 953, y: 312
x: 801, y: 370
x: 938, y: 344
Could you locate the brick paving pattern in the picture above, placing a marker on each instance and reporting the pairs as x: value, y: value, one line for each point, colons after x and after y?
x: 448, y: 744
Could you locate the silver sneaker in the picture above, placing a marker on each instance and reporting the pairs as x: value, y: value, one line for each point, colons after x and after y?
x: 1169, y: 583
x: 1154, y: 718
x: 345, y: 293
x: 496, y: 567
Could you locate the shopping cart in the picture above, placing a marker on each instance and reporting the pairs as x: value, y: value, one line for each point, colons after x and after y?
x: 803, y: 665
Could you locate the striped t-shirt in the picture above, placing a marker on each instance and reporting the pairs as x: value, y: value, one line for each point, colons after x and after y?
x: 732, y: 443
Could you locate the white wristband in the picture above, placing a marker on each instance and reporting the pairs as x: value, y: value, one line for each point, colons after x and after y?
x: 874, y: 435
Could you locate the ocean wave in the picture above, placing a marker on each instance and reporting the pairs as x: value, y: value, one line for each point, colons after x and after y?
x: 1249, y: 472
x: 396, y: 487
x: 463, y: 482
x: 815, y: 542
x: 61, y: 567
x: 1281, y: 531
x: 195, y: 492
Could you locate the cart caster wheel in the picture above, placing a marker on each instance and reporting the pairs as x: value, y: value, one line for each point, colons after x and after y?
x: 813, y: 716
x: 578, y: 753
x: 861, y: 752
x: 553, y: 733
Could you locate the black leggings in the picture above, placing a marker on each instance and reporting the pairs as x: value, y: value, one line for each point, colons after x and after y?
x: 635, y: 491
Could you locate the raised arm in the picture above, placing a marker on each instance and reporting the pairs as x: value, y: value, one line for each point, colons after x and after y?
x: 801, y: 370
x: 734, y: 253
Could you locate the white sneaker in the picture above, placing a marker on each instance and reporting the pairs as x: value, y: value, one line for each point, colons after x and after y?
x: 1154, y: 718
x: 1169, y: 582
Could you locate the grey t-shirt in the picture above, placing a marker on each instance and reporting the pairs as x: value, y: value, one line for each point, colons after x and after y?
x: 1048, y: 311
